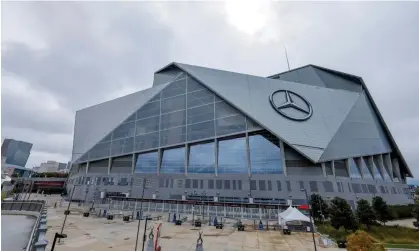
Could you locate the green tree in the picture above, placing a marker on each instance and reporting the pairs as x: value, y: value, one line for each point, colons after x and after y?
x: 341, y: 214
x: 364, y: 213
x: 380, y: 209
x: 417, y: 191
x: 319, y: 206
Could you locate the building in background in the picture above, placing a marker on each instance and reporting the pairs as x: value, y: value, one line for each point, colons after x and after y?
x: 64, y: 167
x: 51, y: 166
x: 213, y: 135
x: 16, y: 152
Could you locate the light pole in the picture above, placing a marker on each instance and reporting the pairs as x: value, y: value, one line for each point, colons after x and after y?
x: 203, y: 204
x: 311, y: 220
x: 141, y: 212
x: 67, y: 212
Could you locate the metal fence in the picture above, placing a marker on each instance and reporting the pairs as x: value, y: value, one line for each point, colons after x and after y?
x: 36, y: 240
x: 116, y: 207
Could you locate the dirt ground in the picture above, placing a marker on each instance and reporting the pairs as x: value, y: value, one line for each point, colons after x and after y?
x: 99, y: 234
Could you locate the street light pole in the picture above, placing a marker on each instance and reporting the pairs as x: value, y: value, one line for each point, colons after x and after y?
x: 141, y: 212
x: 67, y: 211
x: 311, y: 220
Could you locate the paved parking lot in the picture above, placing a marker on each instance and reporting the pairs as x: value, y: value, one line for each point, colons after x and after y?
x: 99, y: 234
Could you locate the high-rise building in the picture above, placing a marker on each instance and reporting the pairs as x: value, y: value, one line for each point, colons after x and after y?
x: 51, y: 166
x: 238, y: 137
x: 16, y: 152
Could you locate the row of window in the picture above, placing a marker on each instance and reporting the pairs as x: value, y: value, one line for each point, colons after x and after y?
x: 265, y: 157
x: 371, y: 167
x: 255, y: 185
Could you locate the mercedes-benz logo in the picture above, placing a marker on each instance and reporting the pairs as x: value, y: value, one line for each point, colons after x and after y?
x: 304, y: 108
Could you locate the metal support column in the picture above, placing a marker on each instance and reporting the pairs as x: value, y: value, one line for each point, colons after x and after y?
x: 282, y: 149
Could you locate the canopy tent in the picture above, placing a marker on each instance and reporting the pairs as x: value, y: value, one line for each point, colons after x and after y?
x: 292, y: 214
x: 286, y: 212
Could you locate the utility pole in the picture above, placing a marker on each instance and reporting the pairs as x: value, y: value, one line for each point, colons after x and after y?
x: 141, y: 212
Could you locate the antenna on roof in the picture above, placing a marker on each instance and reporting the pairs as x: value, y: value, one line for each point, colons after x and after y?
x: 286, y: 55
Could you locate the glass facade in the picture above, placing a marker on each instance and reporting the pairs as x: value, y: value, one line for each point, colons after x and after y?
x: 353, y: 169
x: 202, y: 158
x: 366, y: 172
x: 184, y: 111
x: 146, y: 163
x: 232, y: 156
x: 173, y: 161
x: 376, y: 171
x: 265, y: 154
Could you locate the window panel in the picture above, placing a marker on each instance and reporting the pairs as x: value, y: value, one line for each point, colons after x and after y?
x: 122, y: 146
x: 194, y: 183
x: 226, y: 184
x: 173, y: 104
x: 173, y: 136
x: 193, y: 85
x: 252, y: 125
x: 187, y: 183
x: 210, y: 184
x: 146, y: 163
x: 147, y: 141
x: 262, y: 185
x: 173, y: 119
x: 147, y: 125
x: 377, y: 173
x: 100, y: 150
x: 366, y: 172
x: 202, y: 130
x: 202, y: 158
x: 222, y: 109
x: 107, y: 138
x: 174, y: 89
x: 354, y: 170
x: 219, y: 184
x: 230, y: 125
x: 130, y: 118
x: 149, y: 110
x: 269, y: 185
x: 278, y: 185
x: 340, y: 168
x: 200, y: 114
x: 173, y: 161
x: 329, y: 169
x: 288, y: 186
x: 199, y: 98
x: 265, y: 154
x: 239, y: 183
x: 155, y: 98
x: 253, y: 185
x: 313, y: 186
x: 124, y: 131
x: 232, y: 156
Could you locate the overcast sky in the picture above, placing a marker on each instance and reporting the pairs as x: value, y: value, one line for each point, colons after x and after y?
x: 61, y: 57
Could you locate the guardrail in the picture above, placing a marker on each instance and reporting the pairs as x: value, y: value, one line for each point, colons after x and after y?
x: 36, y: 240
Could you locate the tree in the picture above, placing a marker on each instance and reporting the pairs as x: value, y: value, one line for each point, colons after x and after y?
x: 417, y: 191
x: 318, y: 206
x: 361, y: 241
x: 415, y: 214
x: 341, y: 214
x: 364, y: 213
x: 380, y: 209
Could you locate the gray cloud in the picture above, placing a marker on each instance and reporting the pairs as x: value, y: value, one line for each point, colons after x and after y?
x: 79, y: 54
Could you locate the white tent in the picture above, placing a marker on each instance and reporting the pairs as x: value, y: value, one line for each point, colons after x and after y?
x: 295, y: 215
x: 292, y: 214
x: 286, y: 212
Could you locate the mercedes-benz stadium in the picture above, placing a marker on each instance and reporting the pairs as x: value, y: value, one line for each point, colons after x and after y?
x: 214, y: 135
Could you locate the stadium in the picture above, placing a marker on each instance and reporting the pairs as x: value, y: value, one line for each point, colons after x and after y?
x: 201, y: 134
